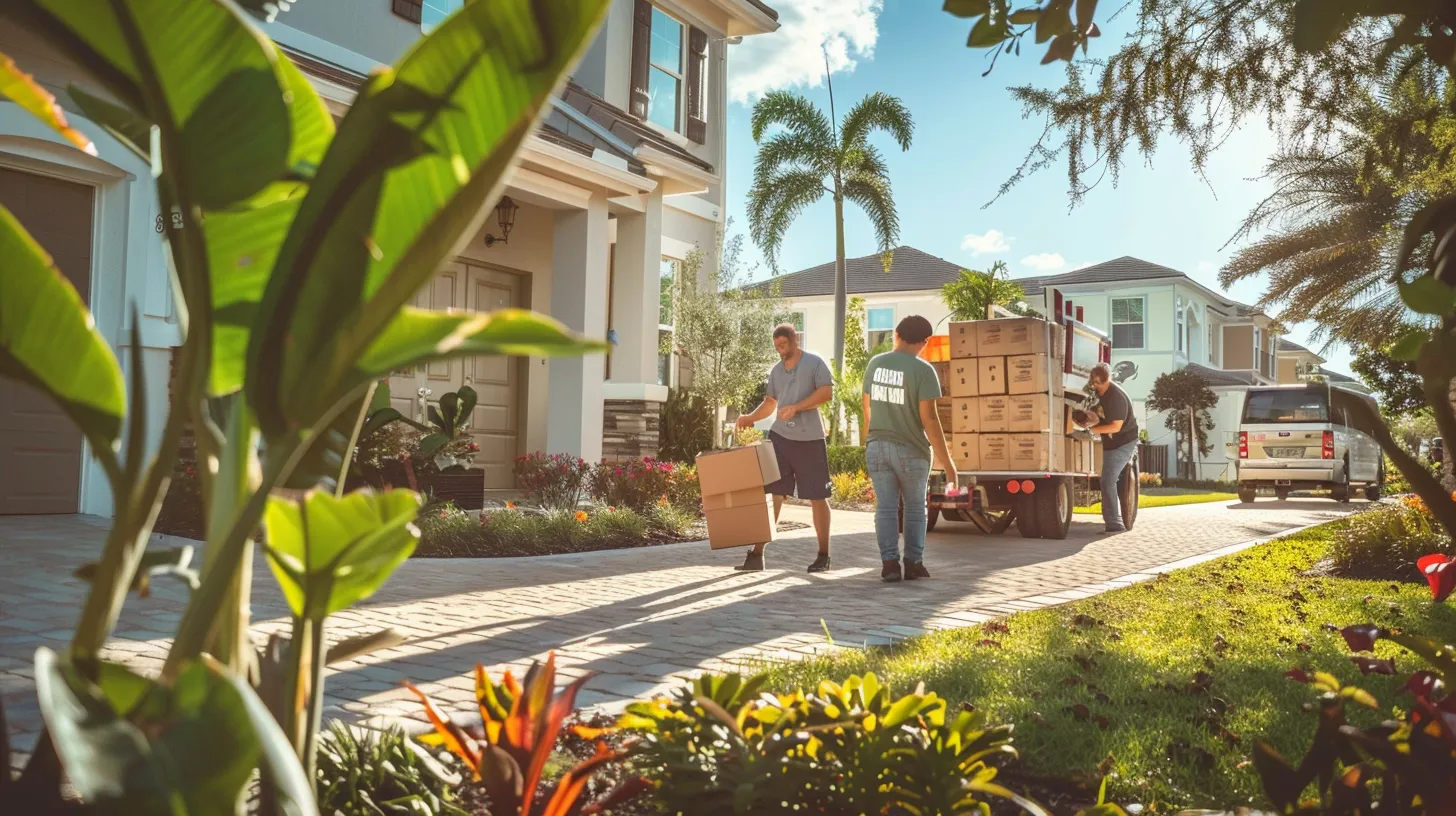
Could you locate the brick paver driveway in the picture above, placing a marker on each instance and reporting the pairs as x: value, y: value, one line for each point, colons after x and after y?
x: 639, y: 617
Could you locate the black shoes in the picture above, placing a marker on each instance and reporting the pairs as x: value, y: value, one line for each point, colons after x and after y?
x: 890, y: 572
x: 821, y: 564
x: 915, y: 569
x: 753, y: 563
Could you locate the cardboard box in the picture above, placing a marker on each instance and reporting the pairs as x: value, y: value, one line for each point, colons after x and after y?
x: 741, y: 526
x: 942, y: 372
x: 1028, y: 374
x: 1035, y: 451
x: 966, y: 415
x: 1014, y: 336
x: 964, y: 378
x: 963, y: 340
x: 945, y: 410
x: 1077, y: 455
x: 727, y: 471
x: 995, y: 451
x: 965, y: 449
x: 990, y: 376
x: 994, y: 413
x: 737, y: 498
x: 1028, y: 413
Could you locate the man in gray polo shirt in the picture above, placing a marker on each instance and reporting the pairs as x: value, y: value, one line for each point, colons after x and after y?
x: 797, y: 385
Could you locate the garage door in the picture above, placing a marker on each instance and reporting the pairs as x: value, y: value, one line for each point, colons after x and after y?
x: 40, y: 450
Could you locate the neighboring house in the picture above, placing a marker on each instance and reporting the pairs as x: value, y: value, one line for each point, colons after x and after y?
x: 621, y: 183
x: 1299, y: 364
x: 1162, y: 320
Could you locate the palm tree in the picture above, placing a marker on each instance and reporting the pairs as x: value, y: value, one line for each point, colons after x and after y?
x: 970, y: 295
x: 810, y: 157
x: 1339, y: 207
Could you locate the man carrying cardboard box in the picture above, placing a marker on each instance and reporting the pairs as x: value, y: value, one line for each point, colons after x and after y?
x: 900, y: 391
x: 797, y: 385
x: 1117, y: 423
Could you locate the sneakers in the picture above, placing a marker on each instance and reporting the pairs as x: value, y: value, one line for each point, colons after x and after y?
x: 821, y: 564
x: 1110, y: 529
x: 890, y: 572
x: 915, y: 569
x: 753, y: 563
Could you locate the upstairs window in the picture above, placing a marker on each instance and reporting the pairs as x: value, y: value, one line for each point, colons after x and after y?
x: 1128, y: 324
x: 880, y: 325
x: 1180, y: 329
x: 669, y: 72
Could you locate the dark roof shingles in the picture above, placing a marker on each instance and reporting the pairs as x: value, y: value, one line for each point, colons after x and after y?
x: 910, y: 270
x: 623, y: 125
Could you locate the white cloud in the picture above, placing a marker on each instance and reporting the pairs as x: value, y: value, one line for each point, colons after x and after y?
x: 1207, y: 267
x: 1045, y: 261
x: 992, y: 241
x: 1082, y: 265
x: 794, y: 55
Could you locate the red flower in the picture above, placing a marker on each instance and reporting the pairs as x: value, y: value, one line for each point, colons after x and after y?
x: 1361, y: 638
x: 1371, y: 665
x: 1440, y: 572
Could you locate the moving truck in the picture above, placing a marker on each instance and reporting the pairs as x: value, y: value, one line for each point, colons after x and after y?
x: 1011, y: 385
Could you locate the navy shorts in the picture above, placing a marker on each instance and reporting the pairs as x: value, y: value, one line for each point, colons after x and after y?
x: 803, y: 468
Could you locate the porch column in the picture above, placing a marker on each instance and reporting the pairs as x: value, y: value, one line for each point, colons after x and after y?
x: 635, y: 294
x: 580, y: 250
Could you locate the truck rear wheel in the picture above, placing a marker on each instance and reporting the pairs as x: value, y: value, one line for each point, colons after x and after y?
x: 1248, y: 493
x: 1129, y: 489
x: 1026, y: 516
x: 1052, y: 504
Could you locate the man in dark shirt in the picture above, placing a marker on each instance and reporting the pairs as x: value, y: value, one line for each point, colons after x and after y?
x: 1119, y: 429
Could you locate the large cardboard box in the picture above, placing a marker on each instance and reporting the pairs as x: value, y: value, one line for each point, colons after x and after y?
x: 1035, y: 451
x: 741, y: 526
x: 727, y: 471
x: 1029, y: 374
x: 965, y: 415
x: 991, y: 376
x: 994, y: 413
x: 738, y: 512
x: 963, y: 340
x: 965, y: 449
x: 995, y: 451
x: 1077, y: 455
x: 964, y: 378
x: 1015, y: 336
x: 945, y: 410
x: 1028, y: 413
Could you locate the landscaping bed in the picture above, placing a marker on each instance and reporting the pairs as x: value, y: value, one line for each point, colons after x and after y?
x: 1167, y: 497
x: 1164, y: 685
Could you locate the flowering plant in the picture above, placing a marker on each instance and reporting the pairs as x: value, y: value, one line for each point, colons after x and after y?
x: 554, y: 481
x: 637, y: 483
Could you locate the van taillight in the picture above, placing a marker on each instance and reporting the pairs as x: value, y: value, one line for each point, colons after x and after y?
x: 1329, y: 445
x: 1243, y: 444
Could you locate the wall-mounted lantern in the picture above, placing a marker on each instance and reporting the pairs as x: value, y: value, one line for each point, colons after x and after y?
x: 505, y: 215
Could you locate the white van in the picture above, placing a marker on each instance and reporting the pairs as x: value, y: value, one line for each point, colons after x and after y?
x: 1304, y: 437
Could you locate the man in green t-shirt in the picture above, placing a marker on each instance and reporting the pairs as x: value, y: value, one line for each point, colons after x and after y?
x: 900, y: 391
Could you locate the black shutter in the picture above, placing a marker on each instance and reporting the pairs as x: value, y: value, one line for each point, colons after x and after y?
x: 641, y: 52
x: 697, y: 102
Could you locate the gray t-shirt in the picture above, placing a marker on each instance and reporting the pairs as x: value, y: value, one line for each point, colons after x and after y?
x: 790, y: 387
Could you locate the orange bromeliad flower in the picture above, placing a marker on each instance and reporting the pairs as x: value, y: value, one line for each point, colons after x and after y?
x: 581, y: 516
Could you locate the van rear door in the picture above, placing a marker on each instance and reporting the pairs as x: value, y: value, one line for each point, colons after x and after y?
x: 1287, y: 424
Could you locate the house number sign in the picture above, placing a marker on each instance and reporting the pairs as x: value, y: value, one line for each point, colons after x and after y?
x: 176, y: 222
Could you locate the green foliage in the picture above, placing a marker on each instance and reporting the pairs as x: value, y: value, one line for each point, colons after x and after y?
x: 685, y: 427
x: 636, y: 484
x: 1186, y: 397
x: 295, y: 252
x: 723, y: 330
x: 852, y: 488
x: 519, y: 724
x: 555, y: 481
x: 720, y: 747
x: 969, y: 296
x: 448, y: 439
x: 1407, y: 766
x: 998, y: 26
x: 381, y: 773
x: 1385, y: 541
x: 1394, y: 381
x: 510, y: 531
x: 846, y: 459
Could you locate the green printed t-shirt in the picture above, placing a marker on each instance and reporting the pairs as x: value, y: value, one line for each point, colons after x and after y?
x: 897, y: 383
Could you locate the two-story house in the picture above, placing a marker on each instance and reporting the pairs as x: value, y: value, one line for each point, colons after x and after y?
x: 623, y: 180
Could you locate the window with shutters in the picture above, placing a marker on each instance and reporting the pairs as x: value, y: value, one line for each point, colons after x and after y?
x: 669, y: 72
x: 1128, y: 324
x: 408, y: 9
x: 665, y: 73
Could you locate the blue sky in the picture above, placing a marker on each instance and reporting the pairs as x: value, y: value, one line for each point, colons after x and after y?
x: 969, y: 137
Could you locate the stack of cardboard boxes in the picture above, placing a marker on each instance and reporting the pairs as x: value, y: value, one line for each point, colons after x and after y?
x: 737, y: 510
x: 1006, y: 403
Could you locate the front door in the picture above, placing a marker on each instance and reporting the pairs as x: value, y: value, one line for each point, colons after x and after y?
x: 40, y: 450
x: 496, y: 422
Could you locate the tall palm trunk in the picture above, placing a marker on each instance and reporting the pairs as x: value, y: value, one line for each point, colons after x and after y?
x: 840, y: 304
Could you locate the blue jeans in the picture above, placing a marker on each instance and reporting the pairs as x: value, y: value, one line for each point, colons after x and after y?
x: 1114, y: 462
x: 898, y: 473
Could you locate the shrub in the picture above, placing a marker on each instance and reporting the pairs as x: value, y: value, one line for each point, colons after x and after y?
x: 685, y: 493
x: 1385, y: 541
x: 670, y: 519
x: 1210, y: 485
x: 851, y: 488
x: 613, y: 524
x: 637, y: 484
x: 381, y: 772
x: 720, y: 747
x: 846, y: 459
x: 747, y: 436
x: 1150, y: 479
x: 555, y: 481
x: 685, y: 427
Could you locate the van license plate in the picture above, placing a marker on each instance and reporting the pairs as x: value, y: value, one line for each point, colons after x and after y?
x: 1286, y: 453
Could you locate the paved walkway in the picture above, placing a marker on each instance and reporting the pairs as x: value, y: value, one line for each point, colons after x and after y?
x: 638, y: 617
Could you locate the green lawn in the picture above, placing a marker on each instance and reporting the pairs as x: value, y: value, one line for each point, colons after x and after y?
x: 1169, y: 499
x: 1120, y: 675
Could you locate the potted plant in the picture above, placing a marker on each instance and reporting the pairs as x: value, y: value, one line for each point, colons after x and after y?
x: 443, y: 457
